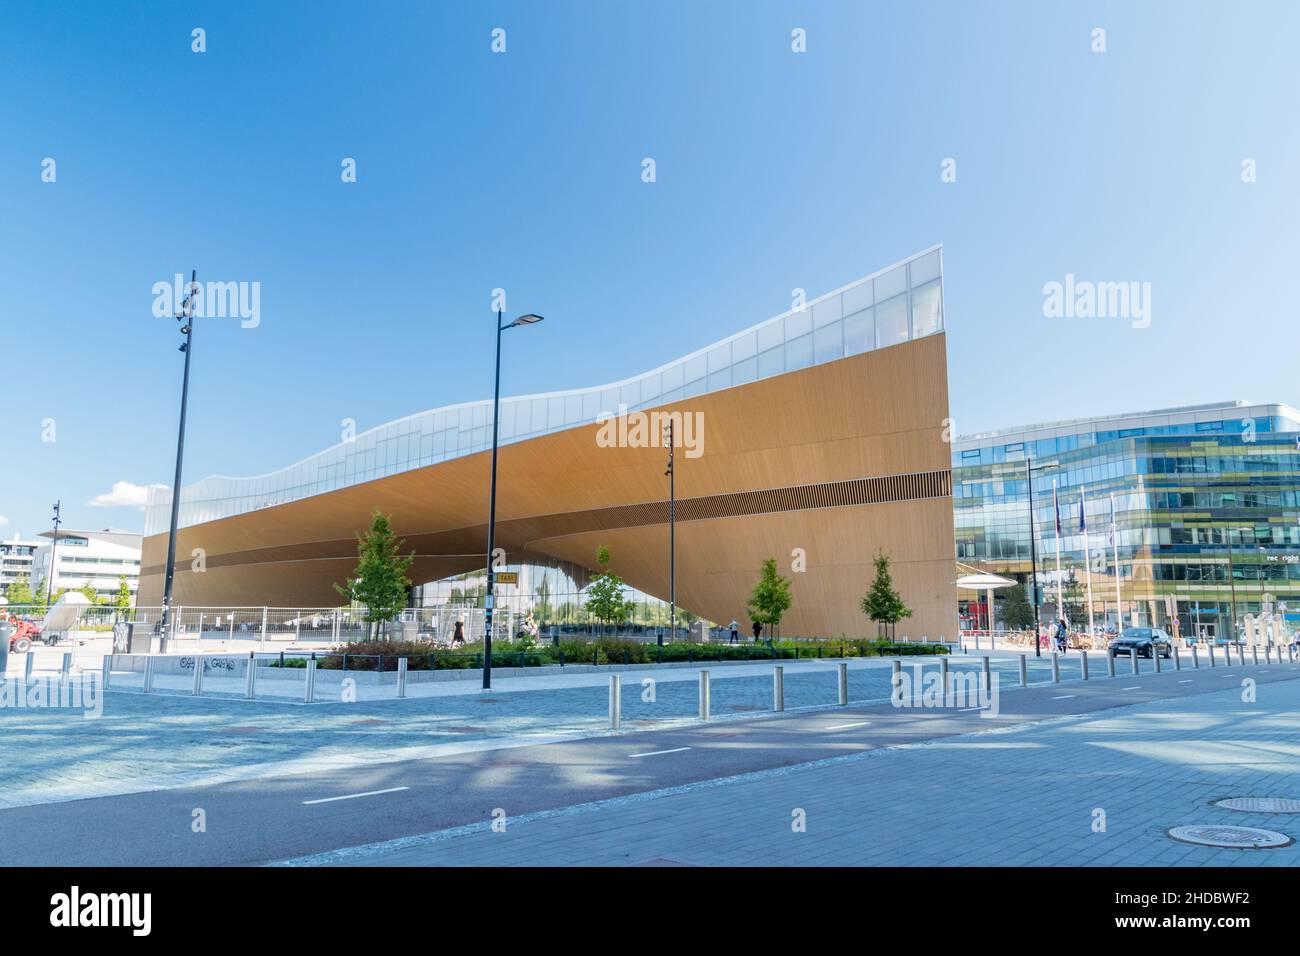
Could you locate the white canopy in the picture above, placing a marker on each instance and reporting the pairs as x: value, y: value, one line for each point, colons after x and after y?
x: 983, y: 582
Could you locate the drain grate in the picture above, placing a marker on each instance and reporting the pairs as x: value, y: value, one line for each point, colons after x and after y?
x: 1260, y: 804
x: 1235, y: 838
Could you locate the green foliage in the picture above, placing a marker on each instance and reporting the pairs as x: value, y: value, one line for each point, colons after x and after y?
x: 605, y: 601
x: 122, y: 600
x: 1016, y: 612
x: 379, y: 582
x: 882, y: 603
x: 771, y: 596
x: 19, y: 592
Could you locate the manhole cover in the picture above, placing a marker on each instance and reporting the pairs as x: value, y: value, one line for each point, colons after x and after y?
x: 1237, y: 838
x: 1260, y: 804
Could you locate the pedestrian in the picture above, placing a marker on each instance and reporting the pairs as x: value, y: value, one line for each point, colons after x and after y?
x: 758, y: 629
x: 1062, y: 634
x: 458, y: 637
x: 735, y: 630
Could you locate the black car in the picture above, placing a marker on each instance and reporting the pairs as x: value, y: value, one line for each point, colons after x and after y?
x: 1143, y: 641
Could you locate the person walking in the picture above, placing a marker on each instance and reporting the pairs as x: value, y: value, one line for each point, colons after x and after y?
x: 758, y: 629
x: 735, y: 631
x: 1062, y: 635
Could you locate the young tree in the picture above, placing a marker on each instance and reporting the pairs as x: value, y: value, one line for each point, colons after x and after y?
x: 19, y: 592
x: 1016, y: 612
x: 770, y: 598
x: 122, y: 600
x: 605, y: 601
x: 882, y: 603
x: 379, y: 582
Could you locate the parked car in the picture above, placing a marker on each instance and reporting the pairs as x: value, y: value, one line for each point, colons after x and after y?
x: 1144, y: 642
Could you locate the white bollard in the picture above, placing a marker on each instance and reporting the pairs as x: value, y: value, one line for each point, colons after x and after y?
x: 1024, y: 672
x: 250, y: 678
x: 704, y: 695
x: 196, y: 690
x: 844, y: 683
x: 1083, y: 663
x: 778, y: 687
x: 615, y: 701
x: 1056, y: 667
x: 401, y: 677
x: 148, y: 674
x: 309, y: 684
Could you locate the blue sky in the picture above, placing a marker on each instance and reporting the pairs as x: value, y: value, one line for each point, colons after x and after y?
x: 522, y: 170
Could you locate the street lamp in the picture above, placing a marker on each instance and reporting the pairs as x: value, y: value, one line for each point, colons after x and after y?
x: 671, y: 474
x: 529, y: 319
x: 186, y: 317
x: 49, y: 585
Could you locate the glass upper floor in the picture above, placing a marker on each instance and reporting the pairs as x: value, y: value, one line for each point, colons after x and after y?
x: 894, y: 305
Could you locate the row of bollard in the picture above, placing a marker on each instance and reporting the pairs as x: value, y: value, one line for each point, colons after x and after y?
x: 1136, y: 669
x: 250, y: 676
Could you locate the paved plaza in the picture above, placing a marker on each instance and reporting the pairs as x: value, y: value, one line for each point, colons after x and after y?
x: 1032, y: 794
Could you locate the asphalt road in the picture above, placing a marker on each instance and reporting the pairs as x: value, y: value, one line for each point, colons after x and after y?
x: 261, y: 821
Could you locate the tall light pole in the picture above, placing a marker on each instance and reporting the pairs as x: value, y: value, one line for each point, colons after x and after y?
x: 1033, y: 553
x: 185, y: 316
x: 672, y: 537
x: 528, y: 319
x: 49, y: 585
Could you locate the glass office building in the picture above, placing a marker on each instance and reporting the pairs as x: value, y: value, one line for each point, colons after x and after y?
x: 1206, y: 503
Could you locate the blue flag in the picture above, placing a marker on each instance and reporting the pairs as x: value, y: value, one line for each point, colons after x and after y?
x: 1083, y: 525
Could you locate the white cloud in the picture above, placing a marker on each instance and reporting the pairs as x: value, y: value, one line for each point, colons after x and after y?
x: 125, y: 494
x: 3, y: 521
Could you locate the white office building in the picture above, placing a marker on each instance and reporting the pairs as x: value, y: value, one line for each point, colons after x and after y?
x: 16, y: 561
x: 98, y: 559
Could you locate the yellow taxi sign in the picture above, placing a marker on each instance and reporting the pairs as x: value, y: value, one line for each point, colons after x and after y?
x: 506, y: 577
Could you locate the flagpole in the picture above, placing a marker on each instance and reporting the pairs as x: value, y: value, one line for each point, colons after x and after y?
x: 1087, y: 557
x: 1060, y: 597
x: 1114, y: 542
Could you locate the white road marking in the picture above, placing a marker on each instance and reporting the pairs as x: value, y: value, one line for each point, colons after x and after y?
x: 966, y: 710
x: 1134, y: 687
x: 656, y: 753
x: 353, y: 796
x: 1064, y: 697
x: 1188, y: 681
x: 860, y: 723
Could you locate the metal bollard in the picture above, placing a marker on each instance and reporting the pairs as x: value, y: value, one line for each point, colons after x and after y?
x: 896, y: 682
x: 615, y: 701
x: 778, y: 687
x: 844, y: 684
x: 105, y: 670
x: 988, y: 679
x: 309, y: 683
x: 704, y: 695
x: 1209, y: 649
x: 1254, y: 654
x: 250, y: 678
x: 148, y: 674
x: 1024, y: 672
x: 1110, y: 663
x: 1268, y: 658
x: 1178, y: 660
x: 1056, y: 667
x: 1196, y: 657
x: 943, y: 671
x: 1241, y: 654
x: 1133, y: 659
x: 1155, y: 656
x: 196, y: 690
x: 1083, y: 664
x: 66, y: 670
x: 401, y: 677
x: 29, y: 660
